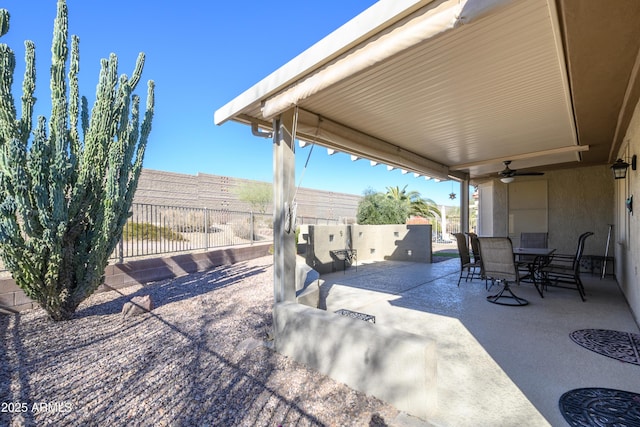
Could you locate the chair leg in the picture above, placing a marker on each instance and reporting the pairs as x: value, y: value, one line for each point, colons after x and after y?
x: 580, y: 288
x: 506, y: 292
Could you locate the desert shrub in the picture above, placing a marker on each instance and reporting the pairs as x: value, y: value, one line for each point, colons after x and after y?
x: 146, y: 231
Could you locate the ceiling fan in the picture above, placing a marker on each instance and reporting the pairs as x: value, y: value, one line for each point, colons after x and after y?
x: 507, y: 175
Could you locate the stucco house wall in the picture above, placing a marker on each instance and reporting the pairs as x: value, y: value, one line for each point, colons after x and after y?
x: 578, y: 200
x: 627, y: 239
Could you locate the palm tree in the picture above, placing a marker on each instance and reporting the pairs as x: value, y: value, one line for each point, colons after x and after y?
x: 417, y: 206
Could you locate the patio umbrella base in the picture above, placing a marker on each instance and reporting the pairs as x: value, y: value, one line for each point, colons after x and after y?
x: 507, y: 297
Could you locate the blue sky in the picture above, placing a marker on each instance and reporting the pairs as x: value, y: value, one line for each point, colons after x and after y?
x: 202, y: 54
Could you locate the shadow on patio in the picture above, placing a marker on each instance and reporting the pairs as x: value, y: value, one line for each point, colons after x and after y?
x: 497, y: 365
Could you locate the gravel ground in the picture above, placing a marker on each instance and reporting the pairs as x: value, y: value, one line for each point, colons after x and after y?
x: 200, y: 358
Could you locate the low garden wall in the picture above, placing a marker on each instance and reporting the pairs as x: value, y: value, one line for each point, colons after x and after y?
x: 143, y: 271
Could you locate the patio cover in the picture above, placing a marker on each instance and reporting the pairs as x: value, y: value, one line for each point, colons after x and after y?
x: 451, y: 88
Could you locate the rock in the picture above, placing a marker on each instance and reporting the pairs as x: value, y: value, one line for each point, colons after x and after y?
x: 137, y: 306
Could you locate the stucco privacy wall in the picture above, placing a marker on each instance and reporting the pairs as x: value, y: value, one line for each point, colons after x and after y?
x: 627, y: 241
x: 402, y: 242
x: 143, y: 271
x: 393, y: 365
x: 221, y: 192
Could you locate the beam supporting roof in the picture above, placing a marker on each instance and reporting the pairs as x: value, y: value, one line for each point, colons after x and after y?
x: 331, y: 134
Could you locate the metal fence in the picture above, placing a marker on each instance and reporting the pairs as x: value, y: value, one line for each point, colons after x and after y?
x: 156, y: 229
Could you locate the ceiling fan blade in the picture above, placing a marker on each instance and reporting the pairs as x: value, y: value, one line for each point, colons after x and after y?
x: 507, y: 172
x: 528, y: 173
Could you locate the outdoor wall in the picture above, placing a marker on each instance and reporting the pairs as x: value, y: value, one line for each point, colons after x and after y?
x: 143, y: 271
x: 492, y: 209
x: 579, y: 200
x: 627, y: 238
x: 405, y: 242
x: 220, y: 192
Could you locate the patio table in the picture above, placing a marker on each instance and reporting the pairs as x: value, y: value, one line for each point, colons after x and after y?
x: 540, y: 255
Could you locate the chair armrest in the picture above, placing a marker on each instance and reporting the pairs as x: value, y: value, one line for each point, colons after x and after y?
x: 560, y: 259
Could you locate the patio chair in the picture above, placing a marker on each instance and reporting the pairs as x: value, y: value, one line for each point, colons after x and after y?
x: 465, y: 258
x: 499, y: 265
x: 565, y: 269
x: 533, y: 240
x: 477, y: 259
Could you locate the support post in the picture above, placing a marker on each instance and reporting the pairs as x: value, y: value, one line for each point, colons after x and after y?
x: 284, y: 250
x: 464, y: 206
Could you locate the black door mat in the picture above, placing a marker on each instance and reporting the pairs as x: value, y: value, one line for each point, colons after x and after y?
x: 600, y: 407
x: 622, y: 346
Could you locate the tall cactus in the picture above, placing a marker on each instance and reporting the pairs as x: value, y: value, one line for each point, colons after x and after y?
x: 65, y: 191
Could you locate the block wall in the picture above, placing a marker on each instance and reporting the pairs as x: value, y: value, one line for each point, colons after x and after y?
x: 372, y: 242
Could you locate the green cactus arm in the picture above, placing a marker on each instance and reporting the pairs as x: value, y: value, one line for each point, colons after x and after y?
x: 59, y: 54
x: 58, y: 120
x: 38, y: 165
x: 28, y: 89
x: 21, y: 186
x: 4, y: 22
x: 74, y: 109
x: 92, y: 161
x: 8, y: 126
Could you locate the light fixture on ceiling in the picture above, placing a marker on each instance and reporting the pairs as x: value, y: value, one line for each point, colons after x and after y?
x: 507, y: 179
x: 619, y: 167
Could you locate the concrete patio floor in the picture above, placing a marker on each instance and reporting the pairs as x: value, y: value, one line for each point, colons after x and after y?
x: 497, y: 365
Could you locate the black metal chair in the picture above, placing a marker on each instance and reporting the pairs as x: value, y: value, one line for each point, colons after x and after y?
x: 565, y: 269
x: 534, y: 240
x: 465, y: 258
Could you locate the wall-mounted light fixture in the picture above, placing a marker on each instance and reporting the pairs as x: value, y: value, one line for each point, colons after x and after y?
x: 620, y: 167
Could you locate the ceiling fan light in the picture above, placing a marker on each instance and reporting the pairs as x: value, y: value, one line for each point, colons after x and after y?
x: 507, y: 179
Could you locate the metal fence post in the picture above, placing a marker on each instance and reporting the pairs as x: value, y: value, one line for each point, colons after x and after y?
x: 121, y: 250
x: 206, y: 229
x: 251, y: 227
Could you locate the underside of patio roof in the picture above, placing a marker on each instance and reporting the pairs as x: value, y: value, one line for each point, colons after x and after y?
x: 451, y: 88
